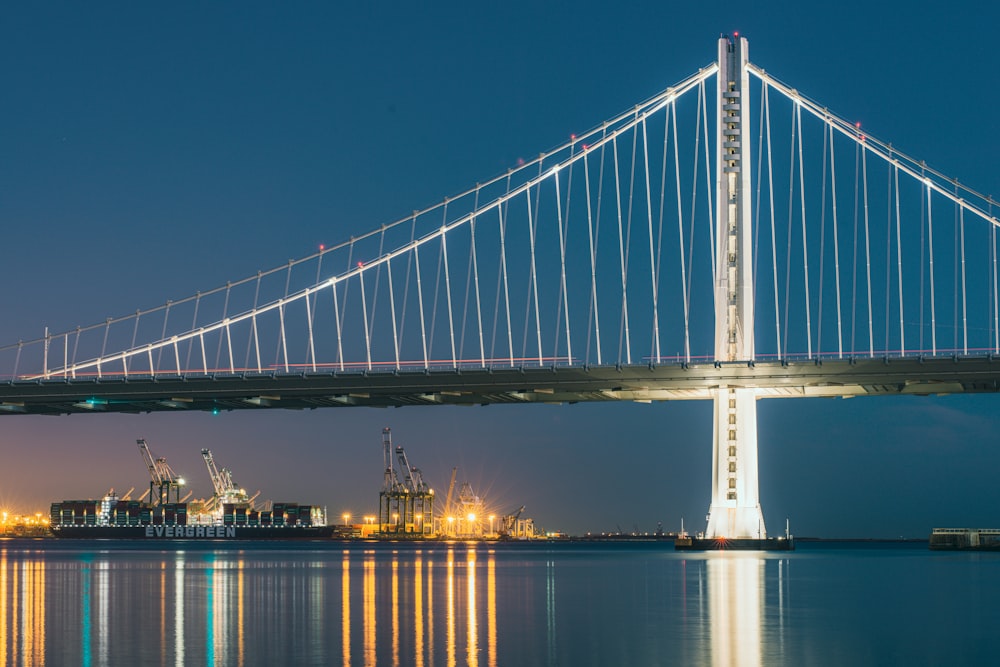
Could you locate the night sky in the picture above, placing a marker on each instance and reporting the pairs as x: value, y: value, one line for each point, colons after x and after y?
x: 147, y: 152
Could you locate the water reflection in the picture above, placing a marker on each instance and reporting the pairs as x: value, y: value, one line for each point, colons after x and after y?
x: 450, y: 605
x: 22, y: 616
x: 735, y: 607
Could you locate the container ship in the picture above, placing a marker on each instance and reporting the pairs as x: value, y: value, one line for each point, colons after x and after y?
x: 229, y: 515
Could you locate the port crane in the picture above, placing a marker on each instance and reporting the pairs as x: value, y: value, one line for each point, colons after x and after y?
x: 162, y: 477
x: 226, y: 490
x: 406, y: 502
x: 508, y: 523
x: 451, y: 491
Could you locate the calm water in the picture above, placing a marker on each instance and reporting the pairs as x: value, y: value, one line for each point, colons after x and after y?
x: 97, y: 603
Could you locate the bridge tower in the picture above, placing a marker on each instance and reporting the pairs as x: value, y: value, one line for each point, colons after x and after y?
x: 735, y: 510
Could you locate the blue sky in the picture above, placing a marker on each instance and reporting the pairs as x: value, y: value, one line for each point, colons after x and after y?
x: 149, y: 152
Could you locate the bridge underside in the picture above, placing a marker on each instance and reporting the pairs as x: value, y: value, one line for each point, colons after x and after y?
x: 843, y: 378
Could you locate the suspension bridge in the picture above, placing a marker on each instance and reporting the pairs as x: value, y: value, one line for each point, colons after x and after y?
x: 726, y: 239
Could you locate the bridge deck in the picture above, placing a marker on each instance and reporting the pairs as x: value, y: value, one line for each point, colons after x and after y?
x: 792, y: 379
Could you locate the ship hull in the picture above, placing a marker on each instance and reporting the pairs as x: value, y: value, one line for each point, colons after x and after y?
x: 733, y: 544
x: 200, y: 533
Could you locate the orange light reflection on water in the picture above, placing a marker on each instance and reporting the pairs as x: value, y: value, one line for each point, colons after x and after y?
x: 345, y: 610
x: 22, y: 612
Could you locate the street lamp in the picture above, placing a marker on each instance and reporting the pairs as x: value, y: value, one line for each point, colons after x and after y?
x: 347, y: 518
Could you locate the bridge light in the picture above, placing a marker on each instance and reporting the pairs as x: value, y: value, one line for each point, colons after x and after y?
x: 361, y: 265
x: 322, y: 247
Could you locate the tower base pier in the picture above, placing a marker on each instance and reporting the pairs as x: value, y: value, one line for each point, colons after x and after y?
x: 734, y: 544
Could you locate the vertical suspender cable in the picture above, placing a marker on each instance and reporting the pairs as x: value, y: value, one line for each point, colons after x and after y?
x: 888, y: 256
x: 253, y: 326
x: 370, y: 321
x: 621, y: 243
x: 930, y: 268
x: 284, y: 339
x: 868, y: 256
x: 163, y: 335
x: 135, y: 330
x: 899, y: 262
x: 922, y: 249
x: 315, y: 295
x: 347, y: 284
x: 592, y: 315
x: 533, y: 276
x: 447, y: 294
x: 406, y: 283
x: 337, y: 320
x: 496, y: 297
x: 854, y: 256
x: 770, y: 198
x: 955, y: 277
x: 364, y: 318
x: 788, y: 244
x: 694, y: 201
x: 468, y: 273
x: 805, y: 248
x: 194, y: 324
x: 479, y: 307
x: 281, y: 342
x: 655, y: 351
x: 506, y: 282
x: 836, y: 245
x: 229, y: 347
x: 392, y: 312
x: 628, y: 241
x: 437, y: 275
x: 420, y: 304
x: 107, y: 330
x: 225, y: 314
x: 76, y: 347
x: 562, y: 261
x: 256, y: 342
x: 562, y: 269
x: 708, y: 180
x: 309, y: 322
x: 822, y: 244
x: 756, y: 201
x: 996, y: 311
x: 680, y: 238
x: 965, y: 321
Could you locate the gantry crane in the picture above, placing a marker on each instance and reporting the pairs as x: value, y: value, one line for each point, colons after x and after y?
x: 226, y: 490
x: 508, y: 523
x: 406, y: 504
x: 161, y: 476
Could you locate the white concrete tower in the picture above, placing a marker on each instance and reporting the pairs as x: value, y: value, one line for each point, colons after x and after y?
x: 735, y: 510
